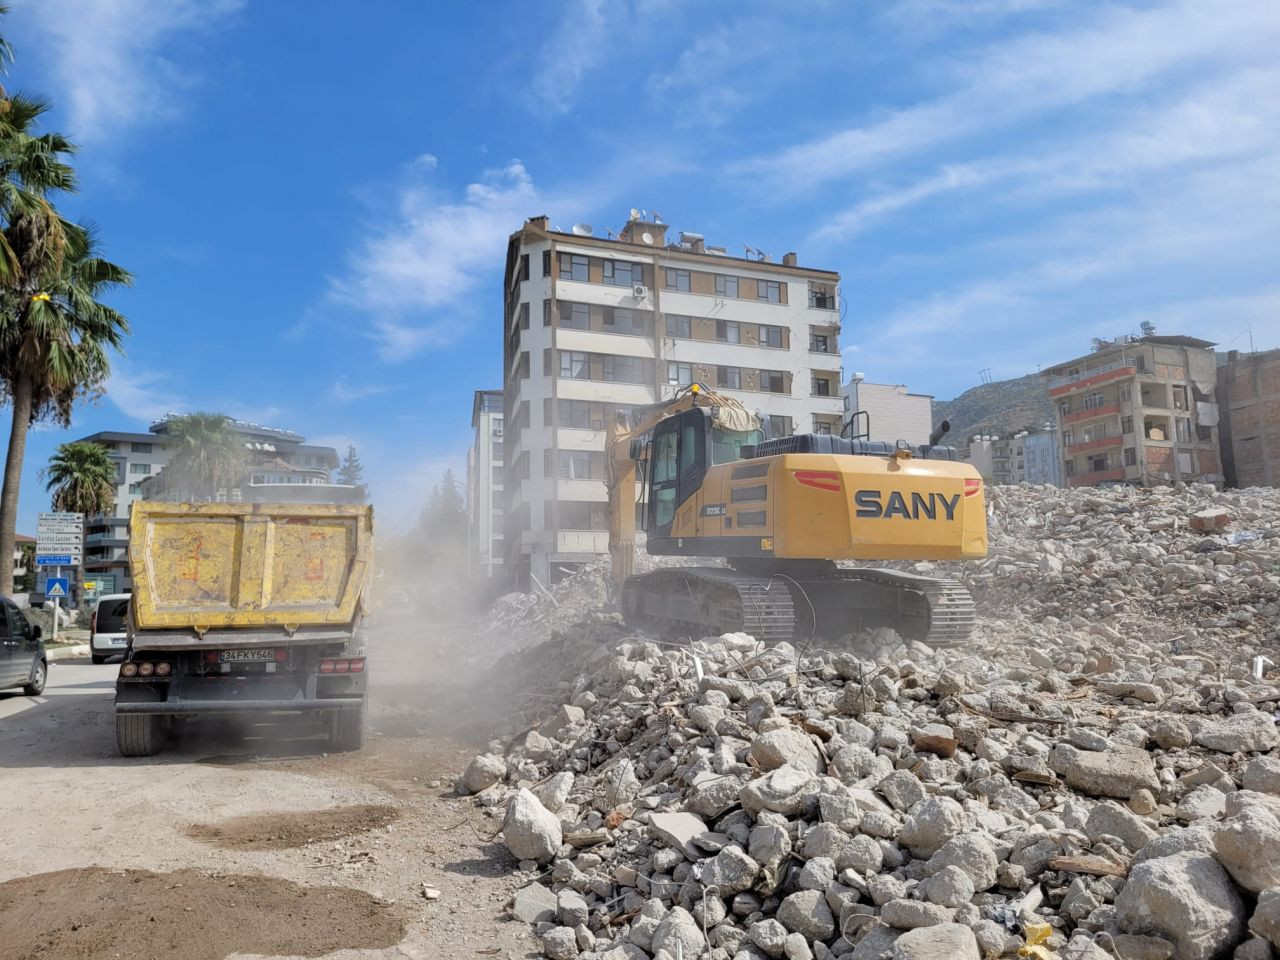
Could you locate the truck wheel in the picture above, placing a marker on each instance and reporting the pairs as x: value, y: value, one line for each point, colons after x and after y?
x: 346, y: 729
x: 139, y: 735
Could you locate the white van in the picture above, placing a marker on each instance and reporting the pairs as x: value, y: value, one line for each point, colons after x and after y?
x: 108, y: 626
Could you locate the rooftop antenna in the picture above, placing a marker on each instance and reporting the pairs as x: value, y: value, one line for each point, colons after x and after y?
x: 985, y: 374
x: 583, y: 229
x: 747, y: 251
x: 657, y: 217
x: 612, y: 235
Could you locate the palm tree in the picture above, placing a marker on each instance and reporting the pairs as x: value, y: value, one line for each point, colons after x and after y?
x: 206, y: 455
x: 82, y: 478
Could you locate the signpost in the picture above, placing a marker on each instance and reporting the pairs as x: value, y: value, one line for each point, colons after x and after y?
x: 59, y: 543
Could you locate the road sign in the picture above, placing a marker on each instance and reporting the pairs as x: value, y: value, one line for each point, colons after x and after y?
x: 60, y: 539
x: 56, y: 586
x: 90, y: 585
x: 59, y: 523
x: 50, y: 560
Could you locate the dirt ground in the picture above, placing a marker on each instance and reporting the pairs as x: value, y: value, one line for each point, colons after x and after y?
x: 249, y: 841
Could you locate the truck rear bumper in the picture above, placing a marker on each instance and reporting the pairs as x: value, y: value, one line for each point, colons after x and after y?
x: 181, y: 707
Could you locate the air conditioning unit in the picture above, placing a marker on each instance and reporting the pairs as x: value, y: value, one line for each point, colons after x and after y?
x: 640, y: 291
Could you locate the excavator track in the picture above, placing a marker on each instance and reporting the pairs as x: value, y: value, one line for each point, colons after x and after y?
x: 826, y: 603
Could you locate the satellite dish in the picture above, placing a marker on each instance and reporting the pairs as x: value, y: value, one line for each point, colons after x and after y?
x: 583, y: 229
x: 635, y: 214
x: 647, y: 237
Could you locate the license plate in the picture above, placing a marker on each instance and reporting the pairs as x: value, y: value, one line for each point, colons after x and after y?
x: 246, y: 656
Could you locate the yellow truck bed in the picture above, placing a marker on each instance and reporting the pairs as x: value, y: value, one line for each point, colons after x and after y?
x: 229, y: 566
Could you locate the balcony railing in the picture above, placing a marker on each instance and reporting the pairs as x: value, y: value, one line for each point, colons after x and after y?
x: 1095, y: 371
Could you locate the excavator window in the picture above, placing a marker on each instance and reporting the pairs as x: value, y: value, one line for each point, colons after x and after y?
x: 726, y: 445
x: 664, y: 476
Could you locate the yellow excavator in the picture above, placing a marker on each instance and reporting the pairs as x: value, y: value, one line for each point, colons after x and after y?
x: 781, y: 512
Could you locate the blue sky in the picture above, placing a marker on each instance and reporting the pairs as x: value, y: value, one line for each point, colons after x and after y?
x: 315, y: 198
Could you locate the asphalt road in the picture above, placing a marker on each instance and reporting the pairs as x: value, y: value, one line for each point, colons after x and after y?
x: 67, y: 678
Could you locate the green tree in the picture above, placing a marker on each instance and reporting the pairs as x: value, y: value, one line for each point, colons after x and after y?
x: 352, y: 471
x: 205, y: 455
x: 82, y: 478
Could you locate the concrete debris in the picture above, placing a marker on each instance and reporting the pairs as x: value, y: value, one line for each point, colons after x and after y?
x: 1100, y: 758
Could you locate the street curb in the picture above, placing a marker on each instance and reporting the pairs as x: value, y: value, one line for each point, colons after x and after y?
x: 68, y: 653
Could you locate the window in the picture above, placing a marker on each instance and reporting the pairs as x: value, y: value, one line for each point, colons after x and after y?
x: 624, y: 320
x: 575, y: 316
x: 728, y: 331
x: 625, y: 369
x: 524, y: 266
x: 546, y: 313
x: 730, y: 377
x: 581, y: 465
x: 821, y: 427
x: 1070, y: 468
x: 678, y: 326
x: 769, y: 290
x: 821, y: 387
x: 770, y: 336
x: 680, y: 373
x: 773, y: 381
x: 779, y: 427
x: 1126, y: 424
x: 676, y: 279
x: 1066, y: 438
x: 546, y: 263
x: 495, y: 449
x: 1204, y: 433
x: 726, y: 286
x: 819, y: 343
x: 140, y: 447
x: 546, y: 362
x: 1092, y: 401
x: 524, y: 316
x: 135, y: 488
x: 1140, y: 363
x: 1182, y: 428
x: 619, y: 273
x: 1179, y: 397
x: 495, y: 502
x: 496, y: 477
x: 575, y: 413
x: 574, y: 267
x: 1097, y: 463
x: 140, y: 468
x: 546, y: 463
x: 574, y: 365
x: 522, y: 368
x: 1130, y: 457
x: 822, y: 295
x: 1124, y: 393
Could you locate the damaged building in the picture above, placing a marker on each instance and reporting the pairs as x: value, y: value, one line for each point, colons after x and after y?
x: 1139, y: 410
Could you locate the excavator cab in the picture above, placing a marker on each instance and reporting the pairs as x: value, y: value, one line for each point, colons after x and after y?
x: 682, y: 449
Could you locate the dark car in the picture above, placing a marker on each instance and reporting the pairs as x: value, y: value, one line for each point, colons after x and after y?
x: 23, y: 662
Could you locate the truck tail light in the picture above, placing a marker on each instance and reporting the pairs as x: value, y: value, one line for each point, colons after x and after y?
x: 326, y: 666
x: 357, y: 665
x: 282, y: 654
x: 128, y: 670
x: 146, y: 669
x: 93, y: 623
x: 163, y: 669
x: 972, y: 487
x: 211, y: 656
x: 343, y: 665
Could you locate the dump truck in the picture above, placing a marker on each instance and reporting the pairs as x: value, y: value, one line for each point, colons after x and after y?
x: 249, y: 609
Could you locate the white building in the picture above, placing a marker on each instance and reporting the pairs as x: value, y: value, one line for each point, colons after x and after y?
x: 484, y: 484
x: 596, y: 325
x: 888, y: 412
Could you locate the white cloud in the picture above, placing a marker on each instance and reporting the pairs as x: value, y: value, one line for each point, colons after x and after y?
x: 1122, y: 52
x: 578, y: 44
x: 344, y: 391
x: 114, y: 59
x: 720, y: 72
x: 432, y: 255
x: 143, y: 395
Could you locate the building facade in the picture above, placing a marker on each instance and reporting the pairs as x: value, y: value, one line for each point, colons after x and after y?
x: 887, y: 412
x: 1138, y: 410
x: 272, y: 457
x: 991, y: 457
x: 1029, y: 456
x: 593, y: 326
x: 484, y: 484
x: 1249, y: 403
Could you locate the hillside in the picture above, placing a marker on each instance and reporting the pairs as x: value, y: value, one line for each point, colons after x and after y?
x: 1000, y: 408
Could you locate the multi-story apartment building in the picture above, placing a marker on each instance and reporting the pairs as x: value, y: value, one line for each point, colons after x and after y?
x: 272, y: 457
x: 991, y: 456
x: 484, y: 484
x: 594, y: 325
x: 887, y: 412
x: 1028, y: 456
x: 1138, y: 410
x: 1249, y: 402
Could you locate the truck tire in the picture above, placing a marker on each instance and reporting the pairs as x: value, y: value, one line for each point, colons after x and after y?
x: 346, y: 730
x: 139, y: 735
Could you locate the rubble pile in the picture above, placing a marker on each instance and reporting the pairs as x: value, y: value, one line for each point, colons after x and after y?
x: 1096, y: 775
x: 1198, y: 558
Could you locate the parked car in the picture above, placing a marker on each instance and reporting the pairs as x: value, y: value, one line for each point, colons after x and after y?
x: 23, y: 662
x: 108, y: 626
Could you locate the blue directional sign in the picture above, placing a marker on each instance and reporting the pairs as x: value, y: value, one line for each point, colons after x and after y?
x: 53, y: 560
x: 56, y: 586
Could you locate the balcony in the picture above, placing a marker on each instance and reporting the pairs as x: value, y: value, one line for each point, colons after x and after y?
x: 1097, y: 443
x: 1119, y: 370
x: 1095, y: 477
x: 1096, y: 413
